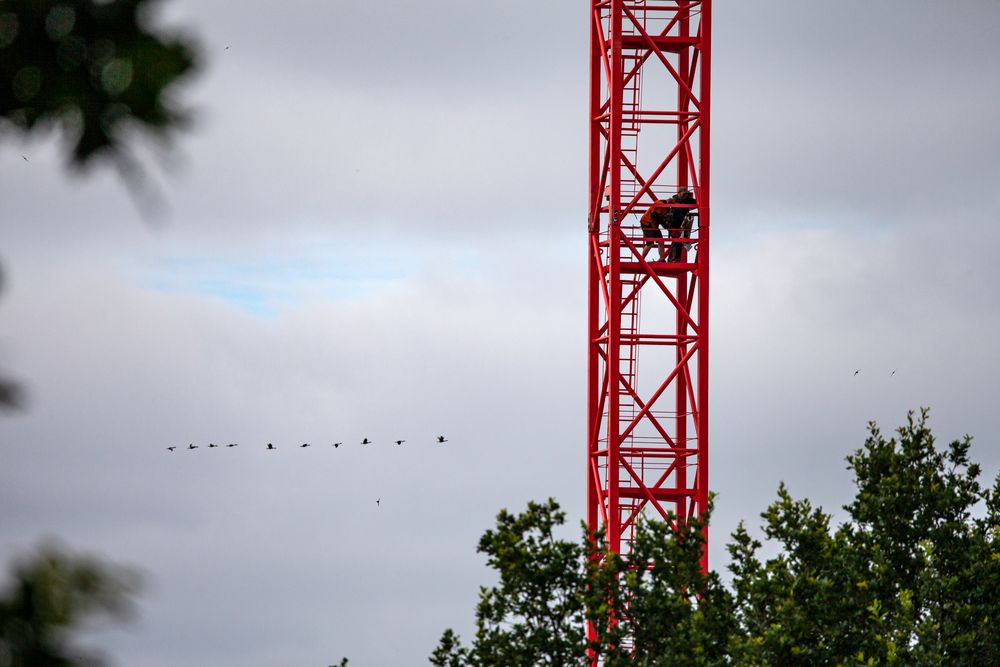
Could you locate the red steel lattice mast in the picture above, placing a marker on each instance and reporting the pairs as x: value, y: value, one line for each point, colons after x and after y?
x: 647, y: 373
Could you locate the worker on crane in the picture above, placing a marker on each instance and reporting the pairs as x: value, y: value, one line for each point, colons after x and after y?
x: 656, y: 216
x: 681, y: 220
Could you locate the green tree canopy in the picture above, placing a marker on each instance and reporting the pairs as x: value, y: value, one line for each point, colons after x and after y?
x: 911, y: 577
x: 535, y: 614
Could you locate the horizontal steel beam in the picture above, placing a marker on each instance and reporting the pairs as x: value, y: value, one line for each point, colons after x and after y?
x: 660, y: 494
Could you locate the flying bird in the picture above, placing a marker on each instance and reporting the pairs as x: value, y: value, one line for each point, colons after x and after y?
x: 399, y: 442
x: 378, y: 501
x: 171, y: 448
x: 366, y: 441
x: 857, y: 371
x: 212, y: 444
x: 226, y: 49
x: 270, y: 446
x: 304, y: 444
x: 232, y: 444
x: 893, y: 372
x: 192, y: 446
x: 441, y: 439
x: 337, y: 444
x: 24, y: 158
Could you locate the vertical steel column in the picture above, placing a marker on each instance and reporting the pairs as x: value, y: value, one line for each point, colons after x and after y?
x: 703, y: 256
x: 613, y: 529
x: 593, y: 275
x: 595, y: 196
x: 683, y: 165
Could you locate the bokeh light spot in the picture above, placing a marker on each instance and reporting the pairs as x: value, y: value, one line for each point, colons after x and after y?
x: 9, y: 27
x: 59, y: 22
x: 116, y: 76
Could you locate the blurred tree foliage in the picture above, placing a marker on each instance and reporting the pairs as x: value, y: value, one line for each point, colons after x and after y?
x: 94, y: 68
x: 11, y: 392
x: 49, y: 596
x: 98, y: 71
x: 912, y: 577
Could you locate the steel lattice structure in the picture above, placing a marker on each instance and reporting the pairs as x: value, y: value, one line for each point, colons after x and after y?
x: 647, y: 375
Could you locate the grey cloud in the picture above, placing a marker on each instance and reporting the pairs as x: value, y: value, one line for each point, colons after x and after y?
x: 870, y: 104
x: 445, y: 47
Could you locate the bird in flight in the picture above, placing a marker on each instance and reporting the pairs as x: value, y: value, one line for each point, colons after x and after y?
x: 24, y: 158
x: 366, y: 441
x: 893, y: 372
x: 171, y: 448
x: 378, y: 502
x: 192, y: 446
x: 857, y: 371
x: 399, y: 442
x: 441, y: 439
x: 232, y: 444
x: 270, y: 446
x: 304, y: 444
x: 212, y: 444
x: 226, y: 49
x: 337, y: 444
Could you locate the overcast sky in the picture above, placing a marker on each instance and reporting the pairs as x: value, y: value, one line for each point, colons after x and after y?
x: 377, y: 229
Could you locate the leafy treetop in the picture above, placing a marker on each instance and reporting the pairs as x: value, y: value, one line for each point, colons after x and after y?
x: 912, y: 577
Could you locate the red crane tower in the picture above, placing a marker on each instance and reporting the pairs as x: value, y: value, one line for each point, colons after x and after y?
x: 647, y: 357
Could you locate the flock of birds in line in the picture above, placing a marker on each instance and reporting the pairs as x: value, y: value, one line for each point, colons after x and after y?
x: 270, y: 446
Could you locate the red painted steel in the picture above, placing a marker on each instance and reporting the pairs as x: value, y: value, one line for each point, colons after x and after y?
x: 647, y: 354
